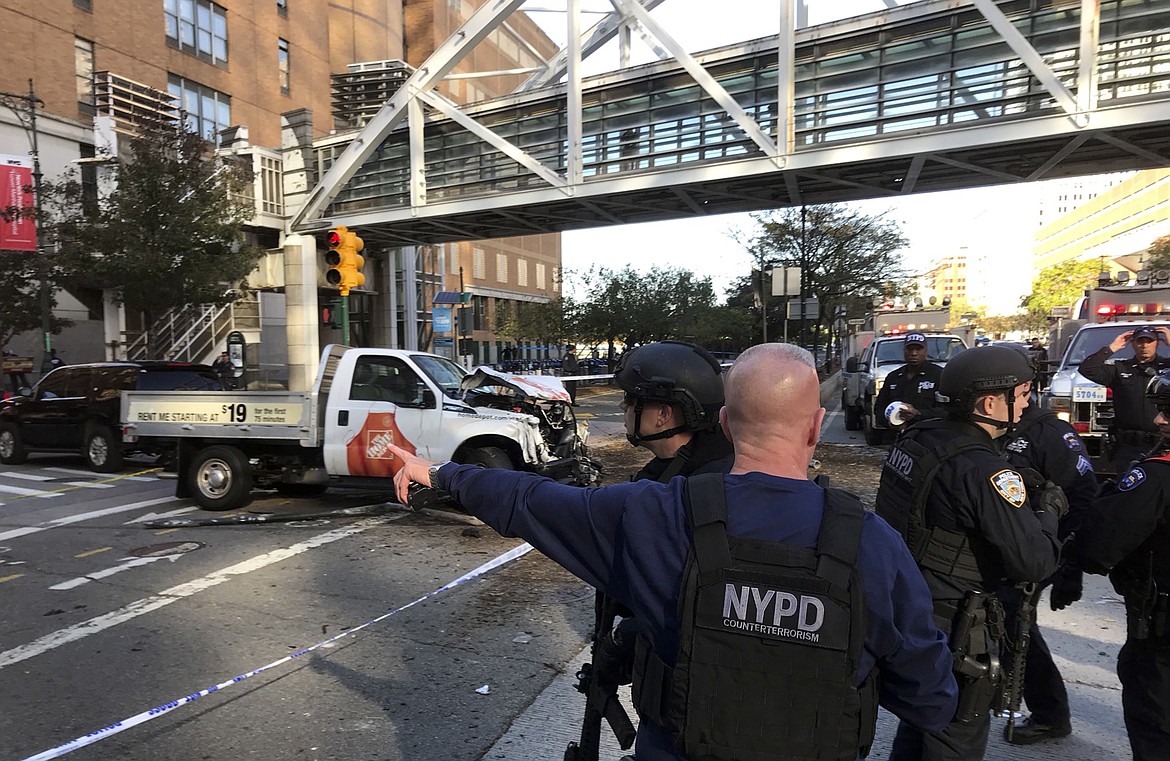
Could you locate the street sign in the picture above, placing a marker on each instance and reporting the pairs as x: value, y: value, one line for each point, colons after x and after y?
x: 857, y: 322
x: 812, y: 309
x: 786, y: 281
x: 441, y: 319
x: 1060, y: 311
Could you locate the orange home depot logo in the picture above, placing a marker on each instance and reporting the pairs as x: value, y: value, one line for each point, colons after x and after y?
x: 368, y: 453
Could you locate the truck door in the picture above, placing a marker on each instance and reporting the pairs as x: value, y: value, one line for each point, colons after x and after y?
x: 384, y: 402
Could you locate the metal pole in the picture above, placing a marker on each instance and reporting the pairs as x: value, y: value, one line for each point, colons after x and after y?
x: 803, y: 269
x: 345, y: 318
x: 46, y: 301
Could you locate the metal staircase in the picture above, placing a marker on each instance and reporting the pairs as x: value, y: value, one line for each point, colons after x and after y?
x: 197, y: 333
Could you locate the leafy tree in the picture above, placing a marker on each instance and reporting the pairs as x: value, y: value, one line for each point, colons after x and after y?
x: 546, y: 323
x: 20, y: 279
x: 848, y: 259
x: 1158, y: 254
x: 169, y: 232
x: 1060, y: 285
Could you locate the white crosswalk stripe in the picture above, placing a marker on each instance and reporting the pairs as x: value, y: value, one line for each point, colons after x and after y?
x: 20, y: 490
x: 26, y: 476
x: 90, y: 484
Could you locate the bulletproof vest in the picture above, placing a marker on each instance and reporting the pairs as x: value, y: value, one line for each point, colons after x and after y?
x: 770, y: 642
x: 908, y: 475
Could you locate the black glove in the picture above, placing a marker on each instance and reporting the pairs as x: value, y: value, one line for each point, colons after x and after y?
x: 1043, y: 495
x: 1067, y: 587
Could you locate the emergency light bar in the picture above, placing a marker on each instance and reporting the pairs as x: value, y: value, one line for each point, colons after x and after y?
x: 1115, y: 310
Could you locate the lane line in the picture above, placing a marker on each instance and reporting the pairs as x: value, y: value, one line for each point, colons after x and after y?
x: 153, y: 713
x: 26, y: 530
x: 87, y: 553
x: 20, y: 491
x: 27, y: 476
x: 10, y: 578
x: 146, y: 605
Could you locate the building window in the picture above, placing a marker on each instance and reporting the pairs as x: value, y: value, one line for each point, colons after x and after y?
x: 88, y: 176
x: 282, y: 64
x: 207, y: 111
x: 271, y: 186
x: 540, y: 279
x: 83, y: 67
x: 84, y: 5
x: 522, y: 272
x: 479, y: 265
x: 501, y: 268
x: 198, y: 27
x: 282, y: 7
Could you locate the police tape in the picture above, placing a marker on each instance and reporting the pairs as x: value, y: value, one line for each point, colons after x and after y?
x: 154, y: 713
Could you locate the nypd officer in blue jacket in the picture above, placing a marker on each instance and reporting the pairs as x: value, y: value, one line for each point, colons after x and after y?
x: 768, y: 637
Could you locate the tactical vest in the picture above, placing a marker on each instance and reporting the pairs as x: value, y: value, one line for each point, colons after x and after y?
x: 907, y: 477
x: 770, y: 642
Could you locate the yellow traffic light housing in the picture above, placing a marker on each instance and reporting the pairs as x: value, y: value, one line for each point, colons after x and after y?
x: 345, y: 263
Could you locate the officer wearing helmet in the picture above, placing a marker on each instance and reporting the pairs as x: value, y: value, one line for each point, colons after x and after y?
x: 966, y: 517
x: 1126, y: 534
x: 1048, y: 445
x: 672, y: 394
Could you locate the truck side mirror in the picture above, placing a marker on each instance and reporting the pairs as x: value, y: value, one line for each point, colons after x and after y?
x: 851, y: 365
x: 428, y: 399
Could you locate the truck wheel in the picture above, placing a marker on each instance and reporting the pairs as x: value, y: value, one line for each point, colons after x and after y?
x: 852, y: 416
x: 11, y: 445
x: 873, y: 436
x: 102, y: 452
x: 489, y: 457
x: 220, y: 478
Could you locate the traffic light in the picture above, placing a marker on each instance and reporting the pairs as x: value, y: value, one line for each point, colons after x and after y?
x: 330, y: 315
x: 345, y: 263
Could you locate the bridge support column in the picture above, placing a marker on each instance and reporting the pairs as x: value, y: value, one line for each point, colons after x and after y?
x: 300, y: 282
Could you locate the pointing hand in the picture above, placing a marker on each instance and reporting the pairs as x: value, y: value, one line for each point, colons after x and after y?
x: 414, y: 470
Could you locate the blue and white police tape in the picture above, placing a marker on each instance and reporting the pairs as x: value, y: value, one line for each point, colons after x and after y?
x: 154, y: 713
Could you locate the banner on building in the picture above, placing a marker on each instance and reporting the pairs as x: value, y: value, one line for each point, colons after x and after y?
x: 18, y: 230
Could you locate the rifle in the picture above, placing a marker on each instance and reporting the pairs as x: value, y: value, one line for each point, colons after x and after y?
x: 1025, y: 617
x: 598, y: 682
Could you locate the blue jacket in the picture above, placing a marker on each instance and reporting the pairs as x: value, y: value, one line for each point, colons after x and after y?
x: 631, y: 541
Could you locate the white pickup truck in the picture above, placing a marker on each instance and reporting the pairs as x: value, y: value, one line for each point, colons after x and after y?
x: 228, y: 443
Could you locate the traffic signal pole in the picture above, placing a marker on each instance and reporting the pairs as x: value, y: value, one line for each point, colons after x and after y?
x: 345, y: 318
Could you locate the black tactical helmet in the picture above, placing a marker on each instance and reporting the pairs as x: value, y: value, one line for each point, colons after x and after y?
x: 1158, y: 391
x: 980, y: 371
x: 674, y: 372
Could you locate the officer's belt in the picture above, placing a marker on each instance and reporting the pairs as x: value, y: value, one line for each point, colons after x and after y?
x: 1157, y: 620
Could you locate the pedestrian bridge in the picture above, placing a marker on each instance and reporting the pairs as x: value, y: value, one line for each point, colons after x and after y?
x: 929, y: 96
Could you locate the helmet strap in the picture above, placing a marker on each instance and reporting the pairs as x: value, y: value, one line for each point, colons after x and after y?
x: 1008, y: 425
x: 636, y: 438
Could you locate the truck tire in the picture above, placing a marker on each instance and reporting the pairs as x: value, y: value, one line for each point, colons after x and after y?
x: 11, y: 445
x: 102, y: 451
x: 852, y: 415
x: 220, y: 478
x: 489, y: 457
x: 873, y: 436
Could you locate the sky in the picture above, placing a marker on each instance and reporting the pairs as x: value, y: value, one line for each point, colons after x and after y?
x: 994, y: 225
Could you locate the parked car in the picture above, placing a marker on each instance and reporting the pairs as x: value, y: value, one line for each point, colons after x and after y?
x: 76, y: 408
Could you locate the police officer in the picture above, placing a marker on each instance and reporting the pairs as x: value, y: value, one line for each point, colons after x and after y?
x: 964, y: 512
x: 913, y: 384
x: 570, y: 366
x: 1044, y: 443
x: 1133, y: 432
x: 672, y: 395
x: 755, y: 662
x: 1126, y: 534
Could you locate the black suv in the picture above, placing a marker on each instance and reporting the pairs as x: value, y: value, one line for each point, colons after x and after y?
x: 76, y: 408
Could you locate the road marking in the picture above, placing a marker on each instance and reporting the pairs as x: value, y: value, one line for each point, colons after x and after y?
x: 174, y: 594
x: 90, y: 484
x: 126, y: 565
x: 10, y: 578
x: 87, y: 553
x: 155, y: 516
x: 165, y: 531
x: 27, y: 476
x: 22, y: 492
x: 25, y: 531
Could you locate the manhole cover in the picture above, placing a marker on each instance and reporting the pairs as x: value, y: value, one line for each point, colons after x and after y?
x: 166, y: 548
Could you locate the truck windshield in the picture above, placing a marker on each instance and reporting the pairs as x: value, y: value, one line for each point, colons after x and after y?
x: 1092, y: 339
x: 445, y: 373
x: 938, y: 349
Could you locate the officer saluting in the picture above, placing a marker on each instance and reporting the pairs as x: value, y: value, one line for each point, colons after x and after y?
x: 777, y: 614
x: 914, y: 383
x: 1127, y: 535
x: 1133, y: 430
x: 965, y: 515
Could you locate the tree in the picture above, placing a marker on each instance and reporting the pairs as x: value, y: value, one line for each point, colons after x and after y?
x: 848, y: 258
x: 1059, y: 286
x: 1158, y: 254
x: 20, y: 281
x: 545, y: 323
x: 167, y: 235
